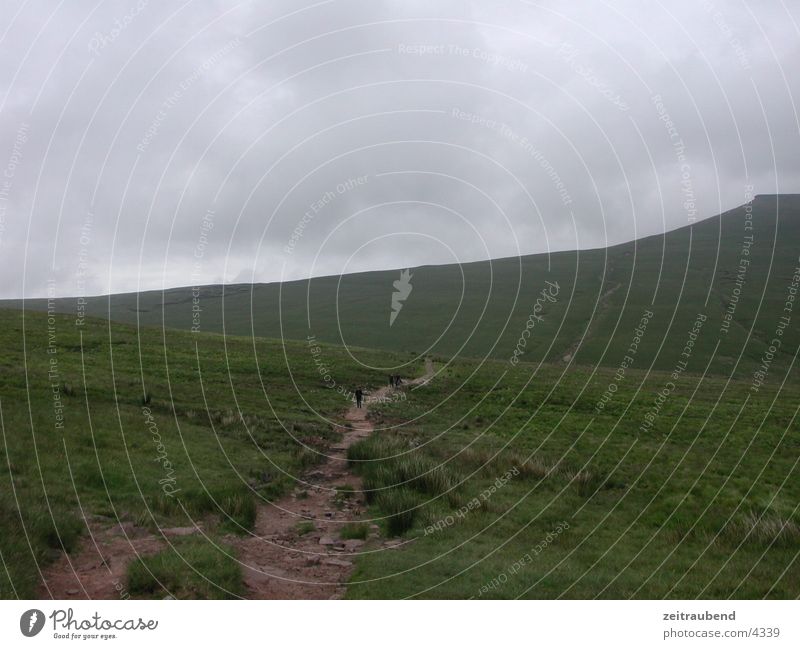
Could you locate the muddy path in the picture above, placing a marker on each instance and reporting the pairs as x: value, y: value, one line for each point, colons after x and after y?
x: 280, y: 563
x: 295, y: 551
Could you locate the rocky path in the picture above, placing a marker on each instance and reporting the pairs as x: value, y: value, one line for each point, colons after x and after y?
x: 296, y: 550
x: 281, y: 560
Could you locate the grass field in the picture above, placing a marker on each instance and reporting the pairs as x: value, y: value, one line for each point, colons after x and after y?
x: 528, y: 492
x: 498, y: 480
x: 223, y: 425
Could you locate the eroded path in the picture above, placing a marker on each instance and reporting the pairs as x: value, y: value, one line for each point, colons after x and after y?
x: 281, y: 562
x: 294, y: 552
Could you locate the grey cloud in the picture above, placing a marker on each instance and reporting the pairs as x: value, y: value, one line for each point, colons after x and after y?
x: 484, y: 130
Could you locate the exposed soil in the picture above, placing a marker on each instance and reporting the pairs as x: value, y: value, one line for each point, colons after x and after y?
x: 279, y: 559
x: 97, y: 569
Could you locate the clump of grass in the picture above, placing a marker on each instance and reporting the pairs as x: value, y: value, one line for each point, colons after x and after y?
x: 767, y: 528
x: 354, y: 531
x: 192, y: 568
x: 305, y: 458
x: 304, y: 527
x: 492, y: 464
x: 376, y: 480
x: 67, y: 390
x: 394, y: 478
x: 392, y: 465
x: 376, y: 447
x: 586, y: 481
x: 535, y: 468
x: 235, y: 506
x: 239, y: 511
x: 400, y: 506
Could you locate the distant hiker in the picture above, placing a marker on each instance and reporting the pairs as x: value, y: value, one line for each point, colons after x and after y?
x: 397, y: 380
x: 391, y: 379
x: 359, y: 397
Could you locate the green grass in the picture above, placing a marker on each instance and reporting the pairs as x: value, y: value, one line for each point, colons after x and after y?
x: 704, y: 504
x: 224, y: 427
x: 193, y: 568
x: 304, y: 527
x: 354, y: 531
x: 488, y: 464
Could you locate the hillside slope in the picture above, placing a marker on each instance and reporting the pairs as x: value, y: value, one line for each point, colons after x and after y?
x: 482, y: 308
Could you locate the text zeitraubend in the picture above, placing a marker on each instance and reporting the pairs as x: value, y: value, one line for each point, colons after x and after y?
x: 704, y: 616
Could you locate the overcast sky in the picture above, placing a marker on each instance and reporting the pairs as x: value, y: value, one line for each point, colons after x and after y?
x: 154, y: 144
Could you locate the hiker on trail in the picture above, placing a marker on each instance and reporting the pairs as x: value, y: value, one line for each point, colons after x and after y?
x: 397, y: 381
x: 359, y: 397
x: 391, y: 379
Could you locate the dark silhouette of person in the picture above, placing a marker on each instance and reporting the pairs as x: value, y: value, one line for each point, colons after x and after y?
x: 391, y: 379
x: 359, y: 397
x: 398, y: 380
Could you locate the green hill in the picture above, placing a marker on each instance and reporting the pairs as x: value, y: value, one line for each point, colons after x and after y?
x: 481, y: 309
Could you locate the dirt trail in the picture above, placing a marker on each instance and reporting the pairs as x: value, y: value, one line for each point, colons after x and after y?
x: 281, y: 563
x: 279, y: 560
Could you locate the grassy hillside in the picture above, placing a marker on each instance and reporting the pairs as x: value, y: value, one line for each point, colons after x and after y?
x: 496, y: 480
x: 482, y: 308
x: 224, y: 424
x: 509, y: 485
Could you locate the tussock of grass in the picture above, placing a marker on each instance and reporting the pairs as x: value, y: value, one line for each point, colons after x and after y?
x: 385, y: 464
x: 305, y: 458
x: 354, y: 531
x: 235, y: 506
x: 492, y: 463
x: 585, y: 480
x: 304, y: 527
x: 67, y: 390
x: 193, y: 568
x: 376, y: 447
x: 400, y: 507
x: 763, y: 529
x: 397, y: 481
